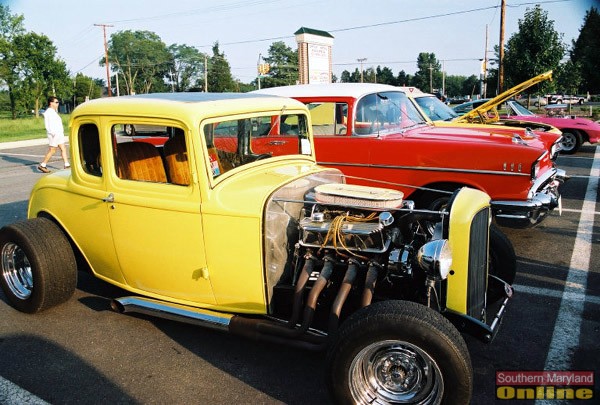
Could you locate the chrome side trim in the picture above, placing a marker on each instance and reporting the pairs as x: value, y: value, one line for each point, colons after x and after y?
x: 428, y: 169
x: 174, y: 312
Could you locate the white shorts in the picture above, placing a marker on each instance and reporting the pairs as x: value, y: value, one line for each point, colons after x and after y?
x: 55, y: 140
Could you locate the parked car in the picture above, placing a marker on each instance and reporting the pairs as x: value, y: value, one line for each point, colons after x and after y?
x: 442, y: 115
x: 567, y: 99
x: 575, y: 130
x: 373, y: 131
x: 261, y: 243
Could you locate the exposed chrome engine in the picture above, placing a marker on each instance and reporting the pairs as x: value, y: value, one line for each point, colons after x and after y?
x: 350, y: 244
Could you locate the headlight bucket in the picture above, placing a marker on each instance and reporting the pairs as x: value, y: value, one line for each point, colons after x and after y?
x: 435, y: 258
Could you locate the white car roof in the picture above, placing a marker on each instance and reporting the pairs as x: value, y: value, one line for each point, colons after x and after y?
x: 414, y: 91
x: 355, y: 90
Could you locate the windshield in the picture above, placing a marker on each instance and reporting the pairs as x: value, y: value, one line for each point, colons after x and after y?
x: 239, y: 141
x: 435, y: 109
x: 385, y: 112
x: 515, y: 108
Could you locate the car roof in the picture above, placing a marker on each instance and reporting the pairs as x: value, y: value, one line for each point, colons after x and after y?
x: 414, y: 91
x: 178, y: 105
x: 355, y: 90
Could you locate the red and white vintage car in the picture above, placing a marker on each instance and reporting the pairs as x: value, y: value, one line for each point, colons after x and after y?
x: 373, y: 131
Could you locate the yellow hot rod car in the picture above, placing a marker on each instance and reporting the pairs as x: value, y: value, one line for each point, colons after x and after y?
x: 266, y: 246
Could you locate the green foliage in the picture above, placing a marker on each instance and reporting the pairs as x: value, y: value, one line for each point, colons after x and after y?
x: 283, y: 62
x: 187, y: 72
x: 429, y: 73
x: 219, y: 72
x: 29, y: 66
x: 385, y: 75
x: 585, y: 51
x: 86, y: 88
x: 141, y: 60
x: 534, y: 49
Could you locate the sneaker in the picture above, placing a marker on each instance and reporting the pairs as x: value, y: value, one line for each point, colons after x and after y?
x: 43, y: 169
x: 67, y: 166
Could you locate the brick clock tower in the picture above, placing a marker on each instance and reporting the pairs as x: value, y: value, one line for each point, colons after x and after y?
x: 314, y: 55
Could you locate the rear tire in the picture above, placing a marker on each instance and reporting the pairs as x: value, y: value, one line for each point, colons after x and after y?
x: 37, y: 265
x: 399, y: 352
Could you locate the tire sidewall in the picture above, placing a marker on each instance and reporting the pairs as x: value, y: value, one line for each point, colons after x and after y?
x: 53, y: 264
x: 372, y: 327
x: 576, y: 137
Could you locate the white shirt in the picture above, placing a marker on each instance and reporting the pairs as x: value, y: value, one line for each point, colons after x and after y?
x: 53, y: 122
x: 54, y: 127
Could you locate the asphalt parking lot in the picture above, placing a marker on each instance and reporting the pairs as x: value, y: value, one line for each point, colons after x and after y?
x: 82, y: 352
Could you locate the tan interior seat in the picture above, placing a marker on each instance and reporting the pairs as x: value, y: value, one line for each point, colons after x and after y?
x: 140, y: 161
x: 176, y: 159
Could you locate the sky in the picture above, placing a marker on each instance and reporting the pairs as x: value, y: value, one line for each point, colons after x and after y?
x: 388, y: 33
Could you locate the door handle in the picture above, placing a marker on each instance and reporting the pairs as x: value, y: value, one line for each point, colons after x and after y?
x: 277, y: 142
x: 110, y: 198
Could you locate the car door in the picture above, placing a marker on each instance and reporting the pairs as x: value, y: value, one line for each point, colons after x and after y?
x: 156, y: 223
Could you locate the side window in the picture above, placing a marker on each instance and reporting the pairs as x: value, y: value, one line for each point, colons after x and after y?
x: 89, y: 149
x: 328, y: 118
x: 159, y: 156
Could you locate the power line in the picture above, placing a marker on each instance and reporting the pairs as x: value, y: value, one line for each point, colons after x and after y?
x: 358, y: 27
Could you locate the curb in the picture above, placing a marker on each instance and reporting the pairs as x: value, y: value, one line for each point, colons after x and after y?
x: 21, y: 144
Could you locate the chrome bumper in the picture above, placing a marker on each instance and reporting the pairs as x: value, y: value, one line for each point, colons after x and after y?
x: 544, y: 197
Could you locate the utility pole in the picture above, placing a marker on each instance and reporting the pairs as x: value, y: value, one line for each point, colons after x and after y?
x: 106, y: 57
x: 484, y: 84
x: 258, y: 68
x: 361, y: 60
x: 205, y: 74
x: 430, y: 78
x: 501, y: 48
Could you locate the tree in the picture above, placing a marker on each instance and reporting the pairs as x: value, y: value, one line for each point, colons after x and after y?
x: 385, y: 76
x: 585, y: 51
x: 11, y: 26
x: 454, y: 85
x: 283, y: 65
x: 403, y: 79
x: 429, y: 75
x: 140, y: 58
x: 42, y: 73
x: 85, y: 88
x: 219, y: 72
x: 187, y: 72
x: 535, y: 48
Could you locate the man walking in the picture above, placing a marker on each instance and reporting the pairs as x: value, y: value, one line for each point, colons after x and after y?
x: 55, y: 133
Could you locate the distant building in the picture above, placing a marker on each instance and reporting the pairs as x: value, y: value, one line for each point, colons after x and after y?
x: 314, y: 55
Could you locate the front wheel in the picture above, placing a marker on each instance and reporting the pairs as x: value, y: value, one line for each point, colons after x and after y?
x: 399, y: 352
x: 571, y: 141
x: 503, y: 263
x: 37, y: 265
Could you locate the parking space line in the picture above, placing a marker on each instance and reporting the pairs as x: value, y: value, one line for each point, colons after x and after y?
x: 567, y: 329
x: 12, y: 394
x: 550, y: 293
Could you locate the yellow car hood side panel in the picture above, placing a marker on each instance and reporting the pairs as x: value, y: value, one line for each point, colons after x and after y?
x: 233, y: 217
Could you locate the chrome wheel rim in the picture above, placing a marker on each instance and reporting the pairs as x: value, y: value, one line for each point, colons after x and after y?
x: 395, y: 372
x: 16, y: 271
x: 568, y: 141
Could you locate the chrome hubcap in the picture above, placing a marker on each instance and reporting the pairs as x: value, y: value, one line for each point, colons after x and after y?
x: 16, y: 271
x: 395, y: 372
x: 568, y: 141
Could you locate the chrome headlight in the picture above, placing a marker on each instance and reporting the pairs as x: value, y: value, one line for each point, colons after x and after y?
x: 435, y: 257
